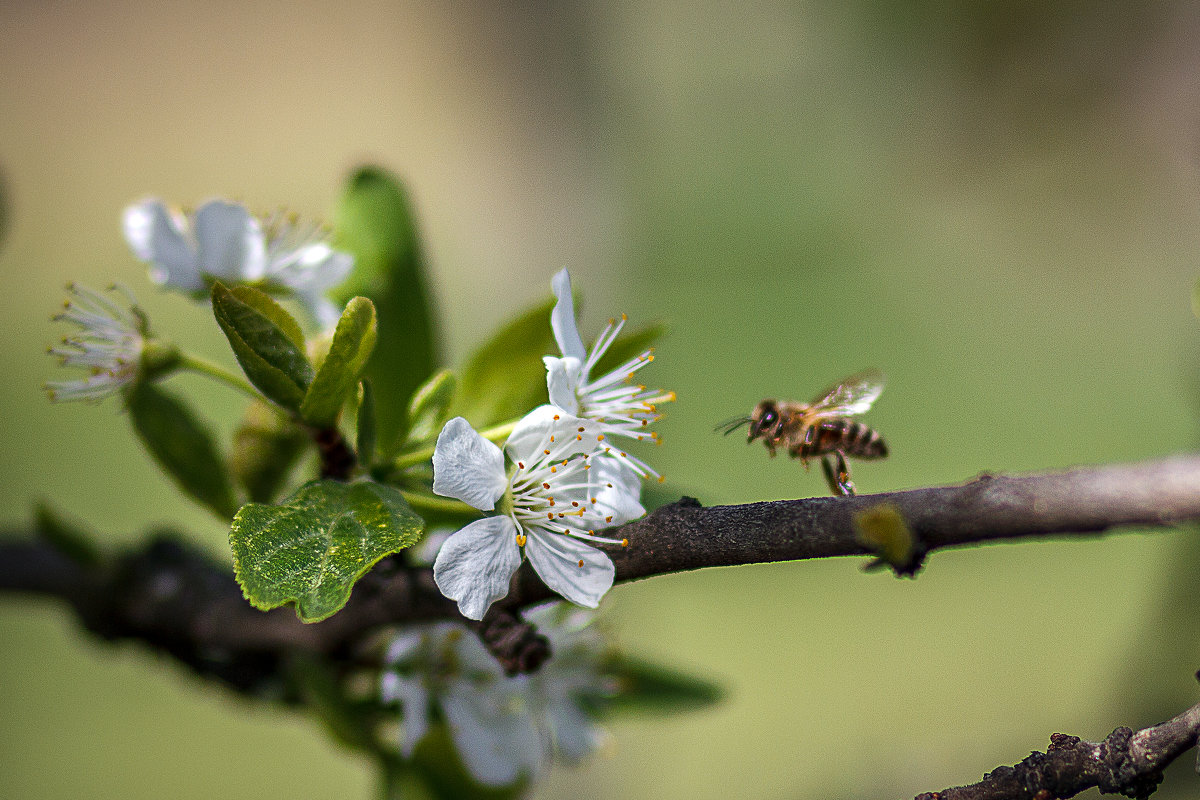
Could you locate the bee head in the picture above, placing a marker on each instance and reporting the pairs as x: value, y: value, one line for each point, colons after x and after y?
x: 764, y: 422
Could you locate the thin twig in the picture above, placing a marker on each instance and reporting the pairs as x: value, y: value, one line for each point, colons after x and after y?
x: 1125, y: 763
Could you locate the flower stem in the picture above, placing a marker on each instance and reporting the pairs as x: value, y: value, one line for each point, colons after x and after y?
x: 205, y: 367
x: 495, y: 434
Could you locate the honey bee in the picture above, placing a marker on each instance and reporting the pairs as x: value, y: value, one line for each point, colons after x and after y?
x: 821, y: 427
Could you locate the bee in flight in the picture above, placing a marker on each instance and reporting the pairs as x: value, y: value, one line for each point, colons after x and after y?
x: 821, y: 427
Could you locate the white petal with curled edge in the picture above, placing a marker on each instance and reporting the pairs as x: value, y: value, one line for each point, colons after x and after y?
x: 617, y: 490
x: 475, y: 565
x: 562, y: 319
x: 229, y: 242
x: 157, y: 237
x: 570, y: 566
x: 562, y: 380
x: 468, y: 467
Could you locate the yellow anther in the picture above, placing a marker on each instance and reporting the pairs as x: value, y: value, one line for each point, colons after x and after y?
x: 608, y: 519
x: 521, y: 465
x: 581, y: 563
x: 554, y: 469
x: 545, y: 485
x: 520, y: 540
x: 624, y: 543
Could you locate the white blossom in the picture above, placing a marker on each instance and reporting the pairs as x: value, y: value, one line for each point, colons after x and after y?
x: 222, y: 241
x: 550, y: 506
x: 563, y: 691
x: 108, y: 345
x: 612, y: 401
x: 487, y: 713
x: 300, y: 259
x: 504, y: 728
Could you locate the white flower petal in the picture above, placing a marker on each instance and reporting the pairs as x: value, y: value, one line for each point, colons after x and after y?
x: 229, y: 242
x: 569, y: 566
x: 575, y: 735
x: 562, y: 382
x: 562, y: 319
x: 158, y: 237
x: 493, y: 731
x: 413, y: 697
x: 475, y: 565
x: 532, y: 434
x: 468, y: 467
x: 617, y: 490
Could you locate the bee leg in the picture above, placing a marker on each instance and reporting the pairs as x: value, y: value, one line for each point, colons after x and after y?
x: 837, y: 473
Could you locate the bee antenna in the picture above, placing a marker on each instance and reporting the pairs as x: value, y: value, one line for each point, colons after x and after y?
x: 730, y: 425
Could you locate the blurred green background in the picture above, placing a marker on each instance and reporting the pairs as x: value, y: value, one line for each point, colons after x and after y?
x: 997, y: 203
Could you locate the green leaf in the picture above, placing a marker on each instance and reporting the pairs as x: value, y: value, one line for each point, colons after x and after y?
x: 267, y: 342
x: 182, y: 446
x: 428, y: 407
x: 313, y: 547
x: 68, y: 537
x: 505, y: 378
x: 375, y: 223
x: 645, y: 686
x: 365, y: 423
x: 266, y: 447
x: 626, y: 347
x: 348, y: 353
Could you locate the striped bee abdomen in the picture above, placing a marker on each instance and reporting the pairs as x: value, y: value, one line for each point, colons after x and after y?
x: 852, y: 438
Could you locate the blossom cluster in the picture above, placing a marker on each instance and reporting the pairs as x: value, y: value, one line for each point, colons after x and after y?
x: 569, y: 476
x: 224, y: 241
x: 504, y: 728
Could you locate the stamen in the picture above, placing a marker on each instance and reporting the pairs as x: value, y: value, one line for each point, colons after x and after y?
x: 521, y: 540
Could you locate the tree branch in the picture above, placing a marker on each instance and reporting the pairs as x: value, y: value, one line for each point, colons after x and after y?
x: 1126, y: 763
x: 125, y: 598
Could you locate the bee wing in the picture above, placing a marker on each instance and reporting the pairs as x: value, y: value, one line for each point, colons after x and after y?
x: 853, y: 395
